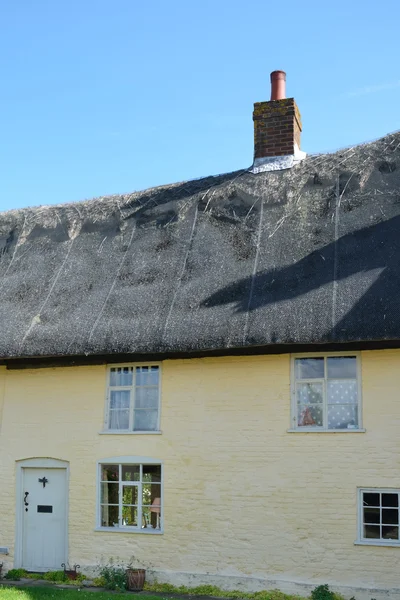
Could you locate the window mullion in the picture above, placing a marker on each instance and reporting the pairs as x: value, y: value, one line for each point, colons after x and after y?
x: 398, y: 516
x: 108, y: 410
x: 325, y: 393
x: 362, y: 518
x: 140, y: 492
x: 120, y: 496
x: 131, y: 407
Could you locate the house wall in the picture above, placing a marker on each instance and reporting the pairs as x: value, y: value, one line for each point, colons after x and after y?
x: 247, y: 504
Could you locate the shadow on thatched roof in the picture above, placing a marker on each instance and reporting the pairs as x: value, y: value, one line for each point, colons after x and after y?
x: 308, y: 255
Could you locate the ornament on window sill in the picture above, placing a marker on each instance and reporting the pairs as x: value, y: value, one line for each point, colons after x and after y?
x: 306, y: 418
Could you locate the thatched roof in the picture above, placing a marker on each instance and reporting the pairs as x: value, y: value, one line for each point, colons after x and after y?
x: 307, y: 255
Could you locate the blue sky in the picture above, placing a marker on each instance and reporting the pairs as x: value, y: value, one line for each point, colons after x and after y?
x: 102, y: 97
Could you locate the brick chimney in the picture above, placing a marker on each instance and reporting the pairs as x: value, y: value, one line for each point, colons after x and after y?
x: 277, y: 127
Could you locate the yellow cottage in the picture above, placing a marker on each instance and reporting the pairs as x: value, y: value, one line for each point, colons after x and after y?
x: 204, y: 376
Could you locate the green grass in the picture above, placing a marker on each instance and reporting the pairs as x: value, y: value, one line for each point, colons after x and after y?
x: 211, y: 590
x: 51, y: 593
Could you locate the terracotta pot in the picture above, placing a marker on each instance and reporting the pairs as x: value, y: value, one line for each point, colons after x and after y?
x: 135, y: 579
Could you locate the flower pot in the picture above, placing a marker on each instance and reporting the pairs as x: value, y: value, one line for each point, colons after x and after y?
x: 135, y: 579
x: 71, y: 574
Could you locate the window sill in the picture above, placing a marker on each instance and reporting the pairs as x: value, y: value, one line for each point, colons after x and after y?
x: 305, y: 430
x: 392, y: 544
x: 117, y: 432
x: 130, y: 530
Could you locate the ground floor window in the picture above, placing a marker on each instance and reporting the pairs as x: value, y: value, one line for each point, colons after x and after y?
x: 379, y: 516
x: 130, y: 496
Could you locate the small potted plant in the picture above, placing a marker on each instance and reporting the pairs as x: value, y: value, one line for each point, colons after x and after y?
x: 135, y: 578
x: 70, y: 573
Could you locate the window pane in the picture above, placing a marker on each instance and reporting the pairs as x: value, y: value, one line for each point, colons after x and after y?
x: 130, y: 494
x: 151, y: 493
x: 129, y: 516
x: 121, y: 376
x: 120, y: 399
x: 372, y: 515
x: 342, y: 392
x: 372, y: 531
x: 109, y: 493
x: 371, y: 499
x: 119, y: 419
x: 342, y: 367
x: 147, y: 375
x: 390, y: 499
x: 309, y: 368
x: 390, y: 516
x: 309, y: 393
x: 130, y: 472
x: 390, y: 533
x: 109, y: 472
x: 152, y: 473
x: 342, y: 416
x: 109, y: 516
x: 309, y: 404
x: 151, y: 518
x: 146, y: 420
x: 146, y: 397
x: 311, y: 415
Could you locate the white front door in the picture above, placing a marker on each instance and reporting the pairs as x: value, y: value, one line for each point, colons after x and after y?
x: 44, y: 505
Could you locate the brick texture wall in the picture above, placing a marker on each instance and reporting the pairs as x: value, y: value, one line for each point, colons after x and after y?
x: 277, y: 128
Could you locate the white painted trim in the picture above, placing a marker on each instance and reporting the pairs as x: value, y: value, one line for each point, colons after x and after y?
x: 119, y: 432
x: 377, y: 543
x: 360, y: 541
x: 127, y: 460
x: 305, y: 430
x: 130, y: 530
x: 293, y: 404
x: 132, y: 387
x: 35, y: 463
x: 42, y: 463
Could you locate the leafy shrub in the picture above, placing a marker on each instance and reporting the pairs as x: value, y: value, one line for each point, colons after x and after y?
x: 15, y: 574
x: 99, y: 582
x: 114, y: 577
x: 34, y: 575
x: 216, y: 592
x: 322, y: 592
x: 55, y: 576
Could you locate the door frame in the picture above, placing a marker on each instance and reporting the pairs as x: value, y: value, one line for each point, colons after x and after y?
x: 35, y: 463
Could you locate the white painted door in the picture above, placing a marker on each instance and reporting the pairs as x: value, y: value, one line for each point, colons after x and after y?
x: 44, y: 505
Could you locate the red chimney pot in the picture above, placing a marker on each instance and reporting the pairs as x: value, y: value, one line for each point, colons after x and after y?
x: 278, y: 85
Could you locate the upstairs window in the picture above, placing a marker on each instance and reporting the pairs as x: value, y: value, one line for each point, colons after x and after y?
x: 326, y: 392
x: 133, y: 399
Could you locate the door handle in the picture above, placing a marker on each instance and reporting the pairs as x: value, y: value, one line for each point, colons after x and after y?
x: 25, y: 501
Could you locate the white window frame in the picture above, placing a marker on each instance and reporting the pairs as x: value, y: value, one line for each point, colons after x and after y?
x: 370, y: 541
x: 130, y: 430
x: 129, y: 461
x: 293, y: 413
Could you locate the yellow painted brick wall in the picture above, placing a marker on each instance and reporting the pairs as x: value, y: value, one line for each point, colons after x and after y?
x: 242, y: 496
